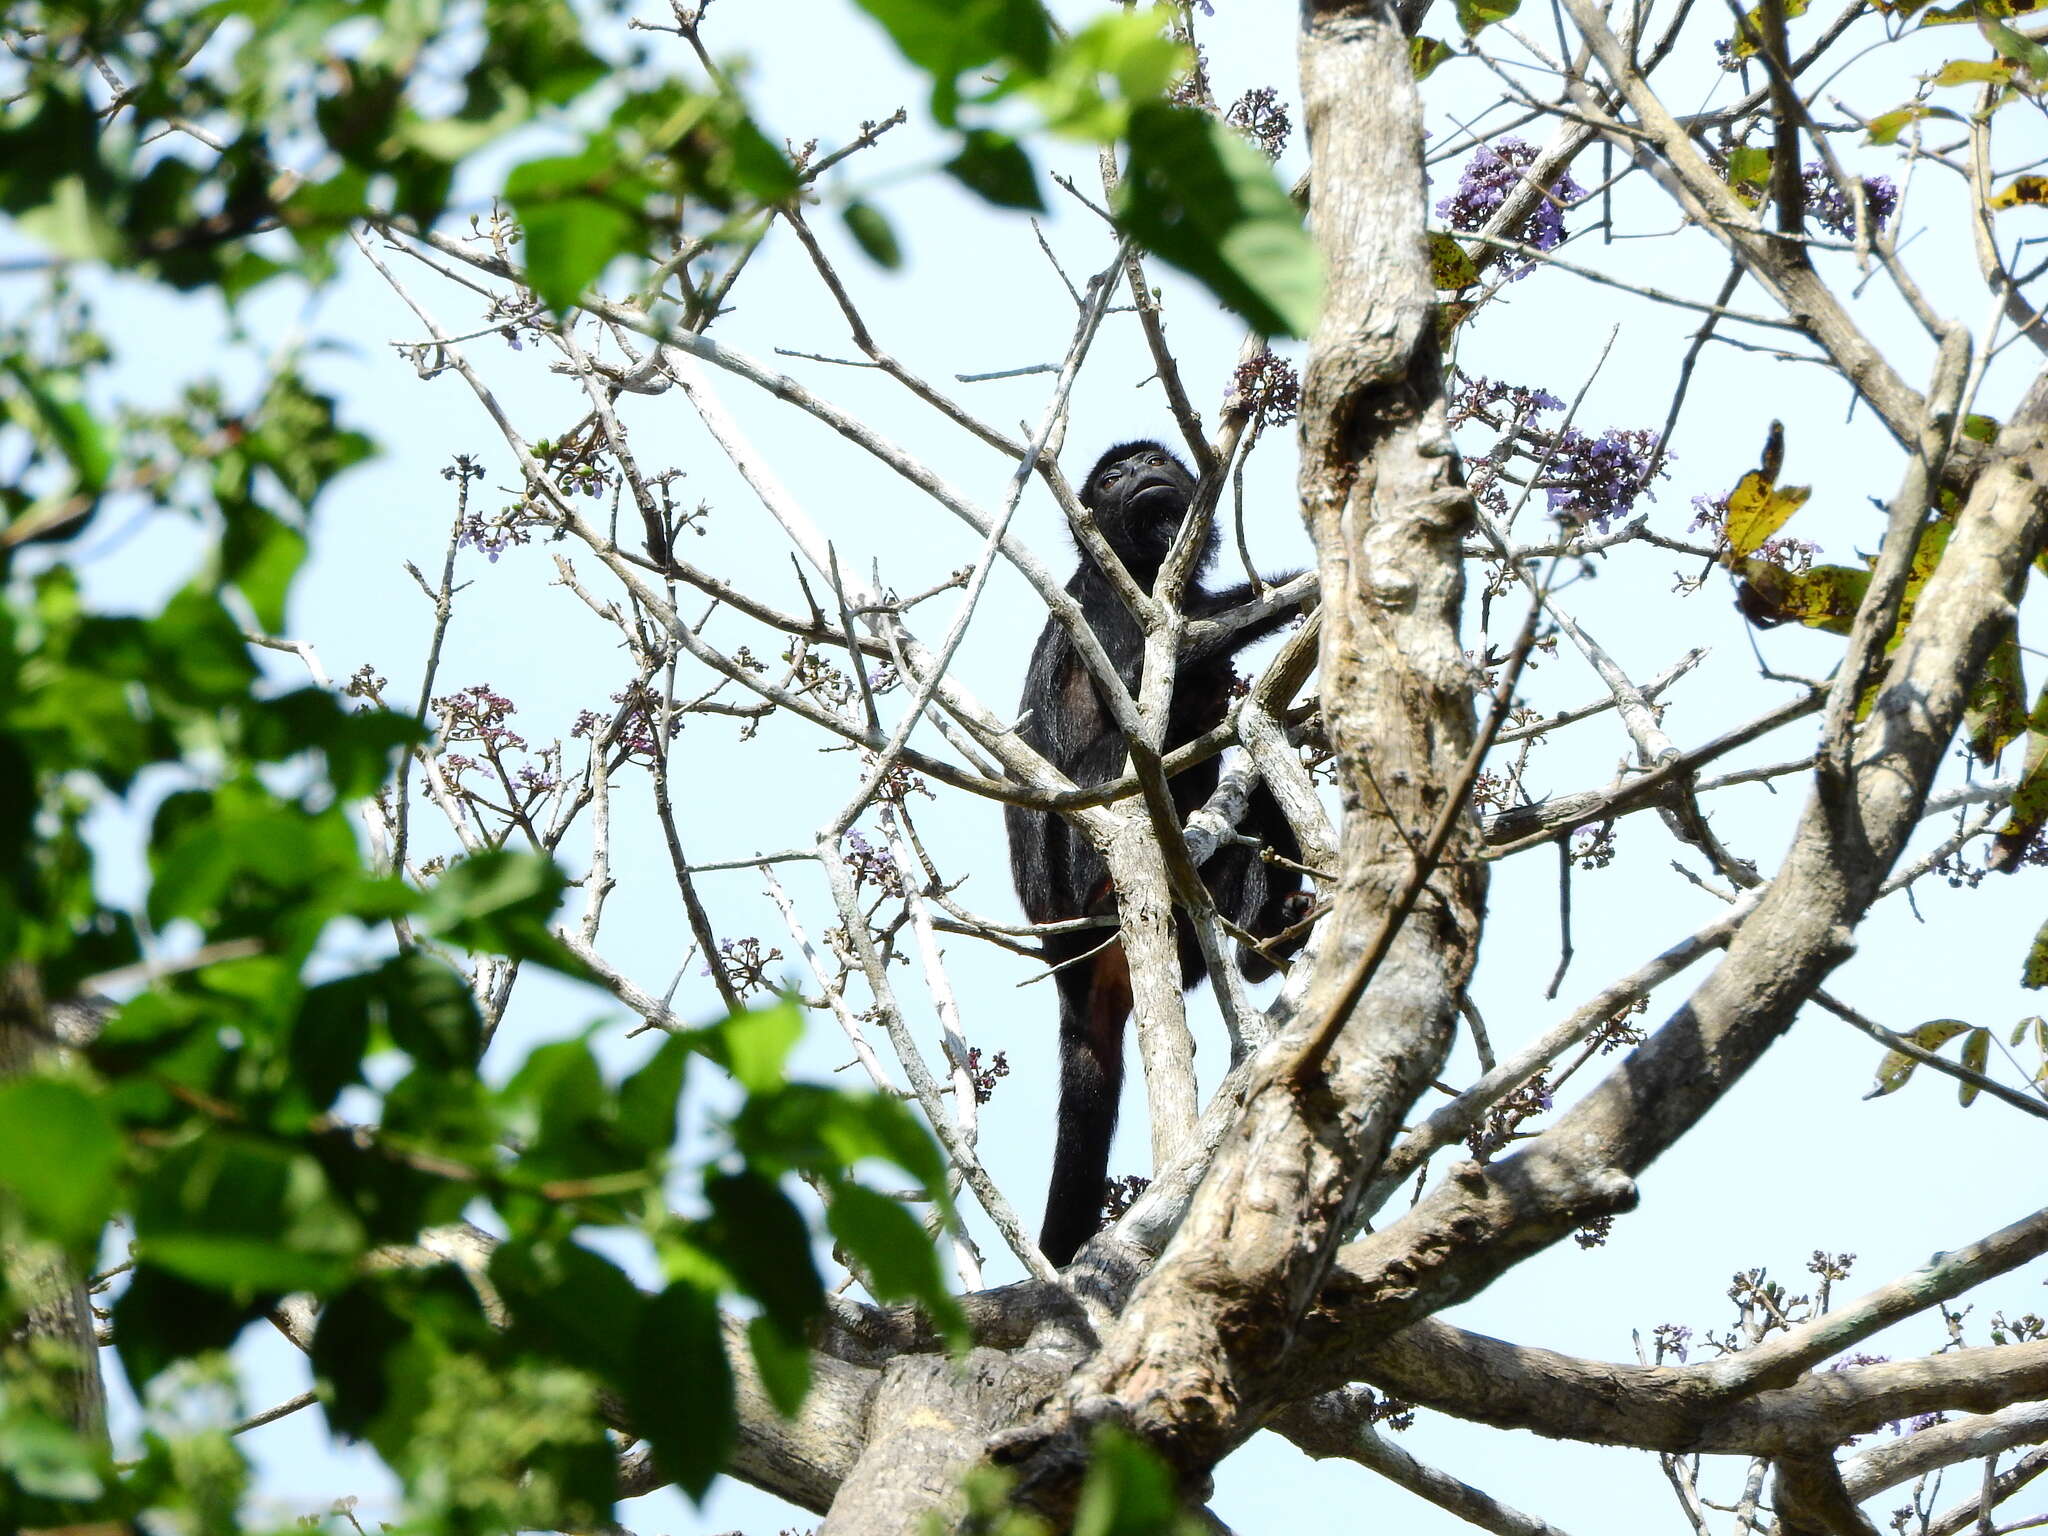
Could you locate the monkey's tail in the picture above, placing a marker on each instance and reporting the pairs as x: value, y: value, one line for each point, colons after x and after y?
x: 1092, y: 1019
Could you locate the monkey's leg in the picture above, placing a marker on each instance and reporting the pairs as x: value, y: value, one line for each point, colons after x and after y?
x: 1093, y: 1008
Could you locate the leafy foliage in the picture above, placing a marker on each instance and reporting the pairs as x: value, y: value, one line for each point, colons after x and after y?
x: 266, y: 1119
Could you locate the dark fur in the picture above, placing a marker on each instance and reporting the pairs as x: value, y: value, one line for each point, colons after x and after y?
x: 1139, y: 493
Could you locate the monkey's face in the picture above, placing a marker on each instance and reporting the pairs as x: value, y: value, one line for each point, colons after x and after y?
x: 1138, y: 492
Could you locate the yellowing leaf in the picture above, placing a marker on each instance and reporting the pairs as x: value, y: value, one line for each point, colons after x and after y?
x: 1974, y: 72
x: 1897, y: 1066
x: 1997, y: 708
x: 2021, y: 190
x: 1976, y: 1056
x: 1425, y: 53
x: 1825, y: 597
x: 2035, y: 972
x: 1886, y: 128
x: 1747, y: 35
x: 1450, y: 268
x: 1749, y: 173
x: 1757, y: 510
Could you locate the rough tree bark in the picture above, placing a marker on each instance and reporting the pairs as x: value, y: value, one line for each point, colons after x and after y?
x: 51, y: 1355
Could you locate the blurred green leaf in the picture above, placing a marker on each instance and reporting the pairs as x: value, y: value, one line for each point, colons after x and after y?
x: 161, y: 1318
x: 761, y: 1238
x: 500, y: 902
x: 784, y: 1363
x: 1129, y: 1491
x: 692, y: 1430
x: 572, y: 1305
x: 59, y: 1156
x: 897, y: 1256
x: 871, y: 230
x: 1197, y: 195
x: 578, y: 212
x: 996, y: 167
x: 245, y: 1218
x: 430, y: 1012
x: 754, y: 1046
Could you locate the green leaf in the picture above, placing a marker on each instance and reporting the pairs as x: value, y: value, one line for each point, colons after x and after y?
x: 58, y: 415
x: 1474, y: 16
x: 328, y: 1037
x: 202, y: 658
x: 947, y: 38
x: 261, y: 554
x: 1749, y: 172
x: 59, y: 1156
x: 871, y: 230
x: 760, y: 1237
x: 1886, y: 127
x: 430, y: 1012
x: 374, y: 1338
x: 650, y: 1097
x: 501, y: 901
x: 48, y: 1460
x: 578, y: 213
x: 162, y: 1318
x: 680, y: 1396
x: 2017, y: 47
x: 354, y: 1339
x: 754, y: 1047
x: 1198, y: 196
x: 1825, y: 597
x: 571, y: 1305
x: 995, y: 166
x: 829, y: 1131
x: 357, y: 743
x: 784, y: 1362
x: 1129, y: 1491
x: 245, y: 1217
x: 1973, y: 72
x: 899, y: 1258
x: 1997, y: 710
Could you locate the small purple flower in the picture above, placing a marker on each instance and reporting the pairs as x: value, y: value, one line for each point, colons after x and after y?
x: 1490, y: 176
x: 1595, y: 479
x: 1830, y: 206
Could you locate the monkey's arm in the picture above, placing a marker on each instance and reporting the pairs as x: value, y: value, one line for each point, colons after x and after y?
x: 1223, y: 623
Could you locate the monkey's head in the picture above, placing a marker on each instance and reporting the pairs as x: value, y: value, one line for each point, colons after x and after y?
x: 1139, y: 492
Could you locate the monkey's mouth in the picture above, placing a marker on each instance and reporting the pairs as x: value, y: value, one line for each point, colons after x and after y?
x: 1161, y: 496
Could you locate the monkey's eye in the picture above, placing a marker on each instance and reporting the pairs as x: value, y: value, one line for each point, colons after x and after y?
x: 1155, y: 459
x: 1109, y: 478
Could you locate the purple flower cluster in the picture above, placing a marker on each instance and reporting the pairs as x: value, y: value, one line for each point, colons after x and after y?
x: 1477, y: 397
x: 478, y: 714
x: 745, y: 966
x: 636, y: 729
x: 1595, y: 479
x: 985, y: 1074
x: 1829, y: 203
x: 873, y: 866
x: 1267, y: 388
x: 1261, y: 117
x: 1490, y: 176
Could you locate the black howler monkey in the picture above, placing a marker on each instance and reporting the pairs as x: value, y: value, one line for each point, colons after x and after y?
x: 1139, y: 492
